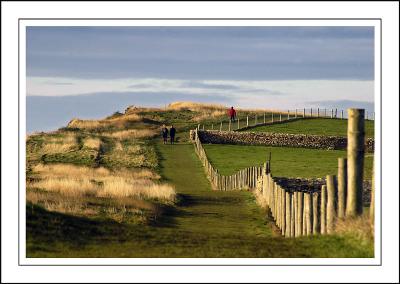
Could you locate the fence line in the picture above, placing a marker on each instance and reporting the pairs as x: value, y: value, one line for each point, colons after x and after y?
x: 298, y: 212
x: 252, y: 120
x: 243, y: 179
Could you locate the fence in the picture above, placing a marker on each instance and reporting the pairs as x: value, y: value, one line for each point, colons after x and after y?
x: 243, y: 179
x: 305, y: 212
x: 259, y: 118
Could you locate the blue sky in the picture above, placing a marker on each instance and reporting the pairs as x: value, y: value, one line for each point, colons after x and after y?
x: 266, y: 67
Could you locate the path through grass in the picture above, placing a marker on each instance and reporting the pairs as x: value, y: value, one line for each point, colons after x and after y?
x: 204, y: 223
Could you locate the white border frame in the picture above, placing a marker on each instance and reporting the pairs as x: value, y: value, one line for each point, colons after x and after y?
x: 197, y: 261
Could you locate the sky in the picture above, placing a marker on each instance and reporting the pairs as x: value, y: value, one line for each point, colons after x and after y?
x: 263, y: 67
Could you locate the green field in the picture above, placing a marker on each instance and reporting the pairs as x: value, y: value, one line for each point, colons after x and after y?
x: 316, y: 126
x: 286, y: 162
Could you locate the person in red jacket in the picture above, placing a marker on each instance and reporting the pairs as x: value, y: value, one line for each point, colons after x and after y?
x: 232, y: 114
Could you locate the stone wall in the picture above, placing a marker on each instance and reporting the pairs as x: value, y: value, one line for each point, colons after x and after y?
x: 278, y: 139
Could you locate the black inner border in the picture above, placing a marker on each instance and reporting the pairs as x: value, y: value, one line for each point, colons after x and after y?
x: 222, y: 19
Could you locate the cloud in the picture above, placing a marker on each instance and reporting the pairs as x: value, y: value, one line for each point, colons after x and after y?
x: 280, y: 94
x: 202, y: 53
x: 60, y: 83
x: 345, y: 104
x: 139, y: 85
x: 39, y: 86
x: 202, y: 85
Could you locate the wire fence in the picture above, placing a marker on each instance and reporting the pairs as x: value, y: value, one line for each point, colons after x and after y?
x: 247, y: 119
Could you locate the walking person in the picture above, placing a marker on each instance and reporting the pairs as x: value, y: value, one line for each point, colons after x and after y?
x: 232, y: 114
x: 172, y: 132
x: 164, y: 133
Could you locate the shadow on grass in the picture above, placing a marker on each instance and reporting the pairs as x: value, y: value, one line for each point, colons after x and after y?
x: 186, y: 200
x: 45, y: 227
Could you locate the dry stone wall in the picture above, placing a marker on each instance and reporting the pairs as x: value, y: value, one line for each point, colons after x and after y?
x: 279, y: 139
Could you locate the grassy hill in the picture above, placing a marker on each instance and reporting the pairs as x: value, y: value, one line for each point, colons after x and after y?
x: 109, y: 188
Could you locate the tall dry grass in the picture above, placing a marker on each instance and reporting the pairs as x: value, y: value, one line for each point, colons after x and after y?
x: 66, y: 186
x: 92, y: 143
x: 51, y: 148
x: 110, y: 187
x: 117, y: 187
x: 210, y: 114
x: 194, y: 106
x: 59, y: 144
x: 78, y: 181
x: 118, y: 146
x: 118, y: 209
x: 73, y: 171
x: 208, y: 108
x: 118, y: 122
x: 131, y: 134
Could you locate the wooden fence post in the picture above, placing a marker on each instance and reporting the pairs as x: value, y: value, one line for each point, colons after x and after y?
x: 238, y: 123
x: 280, y: 117
x: 332, y: 113
x: 255, y: 119
x: 265, y: 187
x: 271, y: 193
x: 342, y: 186
x: 283, y: 210
x: 304, y: 112
x: 247, y: 121
x: 220, y: 128
x: 309, y: 212
x: 295, y: 113
x: 316, y: 214
x: 272, y: 117
x: 323, y: 210
x: 229, y: 126
x: 277, y: 209
x: 300, y: 199
x: 212, y: 126
x: 292, y: 214
x: 264, y: 118
x: 287, y: 211
x: 330, y: 206
x: 304, y: 231
x: 295, y: 211
x: 355, y: 161
x: 341, y: 114
x: 318, y: 112
x: 324, y: 112
x: 288, y: 114
x: 311, y: 112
